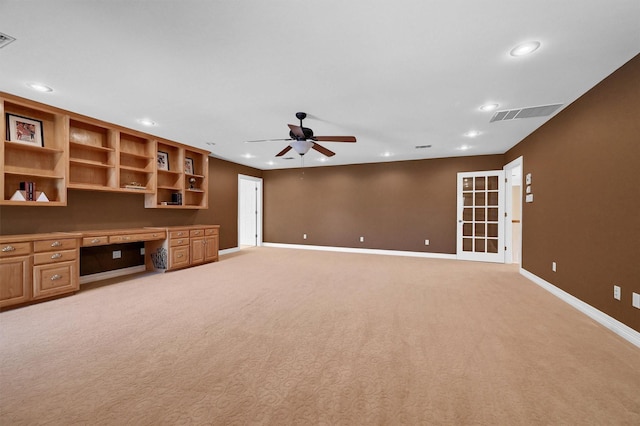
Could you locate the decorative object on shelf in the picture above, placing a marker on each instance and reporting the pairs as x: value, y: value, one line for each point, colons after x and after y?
x: 135, y: 185
x: 20, y: 195
x: 191, y: 182
x: 24, y: 130
x: 188, y: 166
x: 163, y: 160
x: 176, y: 198
x: 29, y: 189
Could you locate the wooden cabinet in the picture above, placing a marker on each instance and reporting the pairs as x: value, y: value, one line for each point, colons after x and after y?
x: 38, y: 266
x: 182, y: 177
x: 41, y: 159
x: 69, y: 150
x: 186, y: 246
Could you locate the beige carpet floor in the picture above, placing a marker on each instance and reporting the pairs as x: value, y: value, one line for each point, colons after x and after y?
x: 272, y: 336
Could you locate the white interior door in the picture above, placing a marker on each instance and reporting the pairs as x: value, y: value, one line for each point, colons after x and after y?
x: 249, y: 211
x: 480, y: 232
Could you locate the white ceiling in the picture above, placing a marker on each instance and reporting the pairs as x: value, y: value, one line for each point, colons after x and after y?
x: 395, y: 74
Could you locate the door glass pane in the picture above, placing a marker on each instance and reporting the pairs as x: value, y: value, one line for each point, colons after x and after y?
x: 492, y: 214
x: 481, y: 214
x: 480, y: 199
x: 492, y: 199
x: 468, y: 200
x: 467, y: 244
x: 467, y: 215
x: 467, y: 229
x: 492, y: 183
x: 480, y: 183
x: 492, y: 245
x: 492, y: 230
x: 480, y: 230
x: 479, y: 245
x: 467, y: 184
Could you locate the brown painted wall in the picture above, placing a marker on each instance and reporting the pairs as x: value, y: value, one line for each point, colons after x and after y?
x: 395, y: 206
x: 586, y: 210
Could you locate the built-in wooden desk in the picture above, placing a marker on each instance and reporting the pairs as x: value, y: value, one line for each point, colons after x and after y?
x: 36, y: 267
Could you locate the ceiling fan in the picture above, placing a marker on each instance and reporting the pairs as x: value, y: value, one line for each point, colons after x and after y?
x: 302, y: 139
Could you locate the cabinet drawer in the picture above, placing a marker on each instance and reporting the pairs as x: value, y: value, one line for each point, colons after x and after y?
x: 58, y: 278
x: 14, y: 249
x: 54, y: 257
x: 211, y: 231
x: 179, y: 257
x: 196, y: 233
x: 95, y: 241
x: 179, y: 234
x: 175, y: 242
x: 57, y: 244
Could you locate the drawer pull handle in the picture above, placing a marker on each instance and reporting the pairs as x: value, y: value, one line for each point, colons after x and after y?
x: 180, y: 241
x: 95, y: 240
x: 56, y: 256
x: 56, y: 244
x: 127, y: 238
x: 179, y: 234
x: 196, y: 233
x: 8, y: 249
x: 179, y: 255
x: 155, y: 235
x: 56, y: 277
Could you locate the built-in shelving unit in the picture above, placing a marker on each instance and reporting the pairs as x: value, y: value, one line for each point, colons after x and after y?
x: 79, y: 152
x: 43, y: 164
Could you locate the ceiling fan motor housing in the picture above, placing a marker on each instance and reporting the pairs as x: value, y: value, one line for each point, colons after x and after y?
x: 308, y: 134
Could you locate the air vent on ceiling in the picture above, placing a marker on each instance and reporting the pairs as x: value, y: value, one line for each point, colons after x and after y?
x: 422, y: 146
x: 5, y: 39
x: 289, y: 158
x: 530, y: 112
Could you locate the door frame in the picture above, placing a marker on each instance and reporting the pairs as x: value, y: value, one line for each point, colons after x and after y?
x: 258, y: 182
x: 508, y: 234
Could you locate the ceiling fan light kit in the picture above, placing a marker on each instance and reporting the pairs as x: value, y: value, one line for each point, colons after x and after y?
x: 302, y: 139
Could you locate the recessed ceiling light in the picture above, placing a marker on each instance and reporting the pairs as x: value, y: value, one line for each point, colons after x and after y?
x: 387, y: 154
x: 39, y: 87
x: 489, y: 107
x: 248, y: 156
x: 472, y: 133
x: 270, y: 163
x: 525, y: 48
x: 463, y: 148
x: 322, y: 159
x: 147, y: 122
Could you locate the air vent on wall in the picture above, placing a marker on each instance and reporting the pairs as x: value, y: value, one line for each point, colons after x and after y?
x: 530, y: 112
x: 5, y: 39
x: 422, y: 146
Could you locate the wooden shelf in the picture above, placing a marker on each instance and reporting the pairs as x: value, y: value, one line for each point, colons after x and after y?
x: 90, y: 147
x: 89, y: 163
x: 32, y: 148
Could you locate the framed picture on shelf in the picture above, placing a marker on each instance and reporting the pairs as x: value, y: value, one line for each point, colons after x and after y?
x: 24, y: 130
x: 188, y: 166
x: 163, y: 160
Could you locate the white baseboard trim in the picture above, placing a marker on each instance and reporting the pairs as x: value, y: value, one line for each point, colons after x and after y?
x: 229, y: 250
x: 365, y: 251
x: 111, y: 274
x: 611, y: 323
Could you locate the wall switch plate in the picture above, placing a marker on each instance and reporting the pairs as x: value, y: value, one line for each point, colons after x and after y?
x: 142, y: 251
x: 616, y: 292
x: 362, y: 239
x: 554, y: 266
x: 426, y: 242
x: 304, y: 236
x: 635, y: 300
x: 528, y: 198
x: 117, y: 254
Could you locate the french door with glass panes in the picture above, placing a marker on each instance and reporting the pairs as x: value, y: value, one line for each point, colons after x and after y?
x: 480, y: 234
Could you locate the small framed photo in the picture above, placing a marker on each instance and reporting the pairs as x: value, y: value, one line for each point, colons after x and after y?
x: 24, y: 130
x: 188, y: 166
x: 163, y: 160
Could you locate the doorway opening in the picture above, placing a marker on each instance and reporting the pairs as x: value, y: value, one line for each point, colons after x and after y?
x: 513, y: 209
x: 249, y: 211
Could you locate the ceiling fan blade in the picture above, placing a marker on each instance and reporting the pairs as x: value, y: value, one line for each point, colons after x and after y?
x: 321, y: 149
x: 284, y: 151
x: 268, y: 140
x: 297, y: 131
x: 335, y: 138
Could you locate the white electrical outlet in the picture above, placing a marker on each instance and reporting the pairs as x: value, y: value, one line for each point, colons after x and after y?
x: 616, y: 292
x: 362, y: 239
x: 426, y: 242
x: 635, y: 300
x: 117, y: 254
x: 142, y: 251
x: 304, y: 236
x: 553, y: 266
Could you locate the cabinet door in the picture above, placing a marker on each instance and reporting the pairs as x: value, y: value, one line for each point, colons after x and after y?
x: 54, y: 279
x: 211, y: 249
x: 15, y: 280
x: 197, y: 250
